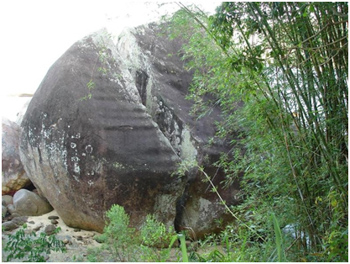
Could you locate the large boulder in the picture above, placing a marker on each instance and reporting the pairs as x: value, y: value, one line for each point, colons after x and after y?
x: 163, y: 82
x: 24, y: 107
x: 14, y: 176
x: 110, y: 123
x: 27, y: 203
x: 88, y: 142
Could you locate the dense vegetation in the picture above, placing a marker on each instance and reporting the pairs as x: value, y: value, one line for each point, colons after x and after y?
x: 279, y: 73
x: 28, y: 247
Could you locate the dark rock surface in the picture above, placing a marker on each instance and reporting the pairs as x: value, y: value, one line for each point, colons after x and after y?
x: 85, y: 154
x: 163, y: 84
x: 109, y: 124
x: 14, y: 176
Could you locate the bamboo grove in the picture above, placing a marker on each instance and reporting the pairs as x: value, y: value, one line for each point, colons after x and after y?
x: 279, y: 71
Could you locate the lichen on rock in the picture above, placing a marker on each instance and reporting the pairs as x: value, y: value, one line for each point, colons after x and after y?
x: 110, y: 123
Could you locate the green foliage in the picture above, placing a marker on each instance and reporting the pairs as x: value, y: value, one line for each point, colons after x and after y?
x: 120, y: 235
x: 153, y: 242
x: 278, y: 239
x: 154, y: 233
x: 279, y: 72
x: 183, y: 247
x: 30, y: 248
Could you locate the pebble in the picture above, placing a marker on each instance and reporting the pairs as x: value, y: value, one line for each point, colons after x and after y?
x: 77, y: 230
x: 50, y: 229
x: 54, y: 221
x: 8, y: 226
x: 37, y: 228
x: 53, y: 217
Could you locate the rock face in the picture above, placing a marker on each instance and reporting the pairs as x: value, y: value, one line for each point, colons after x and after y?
x: 14, y: 177
x: 163, y: 82
x: 109, y: 124
x: 27, y: 203
x: 87, y: 143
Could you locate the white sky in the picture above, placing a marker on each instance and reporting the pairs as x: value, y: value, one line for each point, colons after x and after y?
x: 35, y: 33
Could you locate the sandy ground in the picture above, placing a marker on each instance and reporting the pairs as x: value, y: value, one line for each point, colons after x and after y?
x: 78, y: 241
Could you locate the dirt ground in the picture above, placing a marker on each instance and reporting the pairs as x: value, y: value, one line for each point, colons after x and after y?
x: 77, y: 241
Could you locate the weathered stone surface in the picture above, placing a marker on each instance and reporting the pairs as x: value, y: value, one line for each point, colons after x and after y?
x: 109, y: 124
x: 14, y: 177
x: 14, y: 223
x: 163, y: 83
x: 88, y: 143
x: 7, y: 199
x: 27, y: 203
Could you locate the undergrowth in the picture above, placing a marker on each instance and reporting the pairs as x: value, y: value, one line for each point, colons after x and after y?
x: 30, y: 247
x: 153, y: 242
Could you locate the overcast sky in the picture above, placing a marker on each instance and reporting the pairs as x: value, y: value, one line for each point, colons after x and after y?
x: 35, y: 33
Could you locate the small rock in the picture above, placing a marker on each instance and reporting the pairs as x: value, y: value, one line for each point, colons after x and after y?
x: 37, y: 228
x: 50, y: 229
x: 6, y: 200
x: 4, y: 211
x: 14, y: 223
x: 77, y: 230
x: 28, y: 203
x: 8, y: 226
x: 31, y: 222
x: 51, y: 217
x: 65, y: 241
x: 20, y: 220
x: 54, y: 221
x: 79, y: 238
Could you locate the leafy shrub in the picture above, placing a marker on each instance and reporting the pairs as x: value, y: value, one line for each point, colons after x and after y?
x: 120, y: 236
x: 152, y: 242
x: 29, y: 247
x: 154, y: 233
